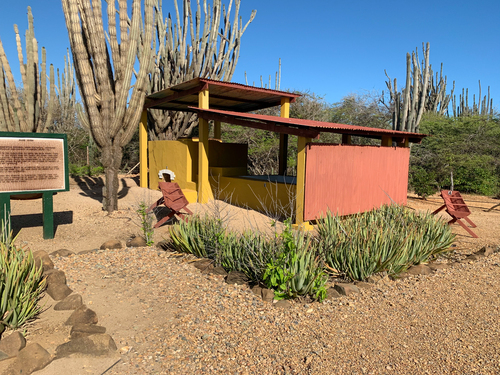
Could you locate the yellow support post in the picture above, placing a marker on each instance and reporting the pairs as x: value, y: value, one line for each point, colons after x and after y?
x: 301, y: 184
x: 283, y: 150
x: 143, y: 149
x: 204, y: 189
x: 217, y: 131
x: 386, y: 141
x: 405, y: 143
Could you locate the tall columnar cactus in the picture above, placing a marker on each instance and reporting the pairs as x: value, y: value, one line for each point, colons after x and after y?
x: 422, y: 93
x: 104, y: 66
x: 188, y: 49
x: 483, y: 107
x: 28, y: 109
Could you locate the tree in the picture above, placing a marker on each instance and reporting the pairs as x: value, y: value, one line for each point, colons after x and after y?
x: 186, y: 50
x: 28, y: 109
x: 104, y: 65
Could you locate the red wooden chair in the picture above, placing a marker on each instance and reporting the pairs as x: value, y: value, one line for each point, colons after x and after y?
x: 174, y: 199
x: 457, y: 209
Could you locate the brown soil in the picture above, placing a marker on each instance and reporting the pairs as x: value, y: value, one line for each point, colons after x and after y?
x: 167, y: 317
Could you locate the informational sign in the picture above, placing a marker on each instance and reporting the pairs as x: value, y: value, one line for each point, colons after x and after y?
x: 32, y: 163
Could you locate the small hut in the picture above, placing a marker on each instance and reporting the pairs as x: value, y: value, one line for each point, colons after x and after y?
x: 343, y: 178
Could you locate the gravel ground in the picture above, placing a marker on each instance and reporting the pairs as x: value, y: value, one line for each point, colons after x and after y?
x: 176, y: 320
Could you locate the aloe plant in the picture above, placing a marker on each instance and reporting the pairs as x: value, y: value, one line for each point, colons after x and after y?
x: 21, y: 282
x: 390, y: 239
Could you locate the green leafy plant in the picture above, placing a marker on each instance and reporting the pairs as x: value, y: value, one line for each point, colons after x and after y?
x: 296, y: 270
x: 146, y: 223
x: 391, y: 239
x: 21, y: 282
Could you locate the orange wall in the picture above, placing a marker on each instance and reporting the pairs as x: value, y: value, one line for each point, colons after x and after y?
x: 348, y: 179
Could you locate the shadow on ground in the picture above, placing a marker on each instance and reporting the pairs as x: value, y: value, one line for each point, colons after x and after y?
x: 92, y: 187
x: 19, y: 222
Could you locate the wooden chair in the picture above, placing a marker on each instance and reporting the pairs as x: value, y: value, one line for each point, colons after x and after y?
x: 457, y: 208
x: 174, y: 199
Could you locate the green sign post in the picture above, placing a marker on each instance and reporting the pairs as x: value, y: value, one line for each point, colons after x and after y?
x: 33, y: 163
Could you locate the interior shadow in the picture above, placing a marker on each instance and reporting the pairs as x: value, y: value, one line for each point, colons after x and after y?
x: 92, y: 187
x: 19, y: 222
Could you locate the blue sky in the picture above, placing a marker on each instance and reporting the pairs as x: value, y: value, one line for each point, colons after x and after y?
x: 331, y: 48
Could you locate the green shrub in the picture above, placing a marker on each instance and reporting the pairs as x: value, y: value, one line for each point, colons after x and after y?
x: 295, y: 270
x: 85, y: 170
x: 423, y: 182
x: 286, y: 263
x: 21, y: 282
x: 389, y: 239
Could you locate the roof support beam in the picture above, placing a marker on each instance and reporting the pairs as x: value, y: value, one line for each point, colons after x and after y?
x: 263, y: 125
x: 177, y: 95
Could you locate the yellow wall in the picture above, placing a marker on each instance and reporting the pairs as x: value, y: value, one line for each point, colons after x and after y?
x: 179, y: 156
x: 258, y: 195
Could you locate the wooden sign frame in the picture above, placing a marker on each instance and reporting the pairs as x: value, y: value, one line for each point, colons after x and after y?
x: 47, y: 193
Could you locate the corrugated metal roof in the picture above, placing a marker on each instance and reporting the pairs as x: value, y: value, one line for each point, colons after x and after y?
x: 222, y: 95
x: 309, y: 125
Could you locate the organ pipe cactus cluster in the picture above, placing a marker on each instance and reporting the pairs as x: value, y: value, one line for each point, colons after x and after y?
x: 104, y: 66
x: 422, y: 93
x: 483, y: 107
x: 29, y: 109
x: 188, y: 48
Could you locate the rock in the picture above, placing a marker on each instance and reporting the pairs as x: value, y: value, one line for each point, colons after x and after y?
x: 83, y: 252
x: 41, y: 257
x: 219, y: 270
x: 363, y: 285
x: 267, y: 295
x: 62, y: 253
x: 58, y: 291
x: 56, y: 277
x: 374, y: 279
x: 236, y: 277
x: 204, y: 265
x: 346, y: 289
x: 111, y: 244
x: 136, y: 242
x: 283, y: 304
x: 95, y: 345
x: 82, y: 315
x: 332, y: 293
x: 420, y: 269
x: 257, y: 290
x: 32, y: 358
x: 12, y: 344
x: 71, y: 302
x: 488, y: 250
x: 3, y: 356
x: 83, y: 330
x: 438, y: 266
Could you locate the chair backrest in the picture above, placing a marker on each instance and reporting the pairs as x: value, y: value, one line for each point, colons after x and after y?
x: 173, y: 196
x: 455, y: 204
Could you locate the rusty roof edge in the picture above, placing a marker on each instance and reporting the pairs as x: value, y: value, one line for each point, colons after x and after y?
x: 231, y: 84
x: 315, y: 124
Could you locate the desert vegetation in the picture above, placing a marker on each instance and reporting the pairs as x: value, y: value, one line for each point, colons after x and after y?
x: 293, y: 263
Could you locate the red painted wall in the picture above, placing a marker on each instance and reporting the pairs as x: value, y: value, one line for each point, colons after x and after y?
x: 348, y: 179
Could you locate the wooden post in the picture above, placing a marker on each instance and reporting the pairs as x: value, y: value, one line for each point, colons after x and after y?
x: 204, y: 189
x: 301, y: 183
x: 346, y: 139
x: 143, y: 149
x: 386, y: 141
x: 217, y: 131
x: 283, y: 150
